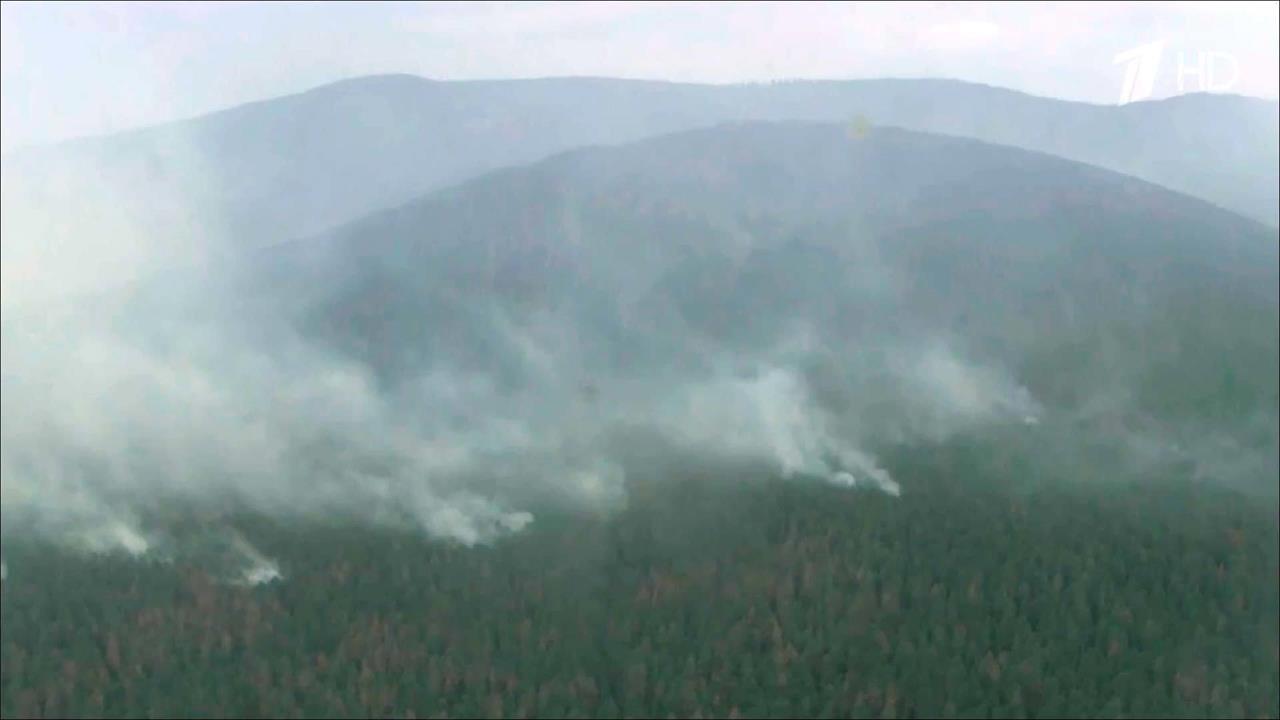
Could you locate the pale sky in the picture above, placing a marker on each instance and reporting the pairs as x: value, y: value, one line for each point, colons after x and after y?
x: 72, y: 69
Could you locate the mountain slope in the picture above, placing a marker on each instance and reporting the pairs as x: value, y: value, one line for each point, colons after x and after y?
x: 933, y: 230
x: 775, y: 294
x: 295, y: 165
x: 923, y: 281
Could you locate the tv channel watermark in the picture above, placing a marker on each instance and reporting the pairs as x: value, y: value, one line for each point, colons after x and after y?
x: 1197, y: 71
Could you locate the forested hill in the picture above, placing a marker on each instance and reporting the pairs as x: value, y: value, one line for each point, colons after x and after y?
x: 1103, y: 296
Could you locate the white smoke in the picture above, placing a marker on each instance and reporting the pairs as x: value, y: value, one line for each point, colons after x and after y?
x: 111, y: 536
x: 770, y: 415
x: 111, y: 416
x: 48, y: 254
x: 100, y: 429
x: 256, y: 568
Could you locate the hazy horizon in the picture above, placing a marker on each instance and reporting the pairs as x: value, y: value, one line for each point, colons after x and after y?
x: 73, y: 70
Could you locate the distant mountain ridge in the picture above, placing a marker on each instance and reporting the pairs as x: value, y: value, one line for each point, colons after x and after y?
x: 293, y: 166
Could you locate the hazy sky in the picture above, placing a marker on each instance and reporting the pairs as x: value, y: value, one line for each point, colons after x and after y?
x: 73, y: 69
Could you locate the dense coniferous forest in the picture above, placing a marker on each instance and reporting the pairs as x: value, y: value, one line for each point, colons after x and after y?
x: 722, y: 595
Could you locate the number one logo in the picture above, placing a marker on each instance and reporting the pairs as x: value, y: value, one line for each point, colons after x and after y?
x: 1141, y: 66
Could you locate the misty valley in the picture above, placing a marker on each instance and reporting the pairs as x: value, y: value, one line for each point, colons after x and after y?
x: 707, y: 401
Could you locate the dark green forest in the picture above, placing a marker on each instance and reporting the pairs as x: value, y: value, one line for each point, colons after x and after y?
x: 725, y: 594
